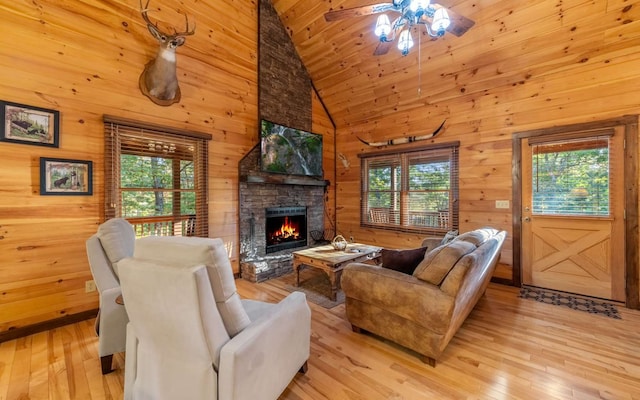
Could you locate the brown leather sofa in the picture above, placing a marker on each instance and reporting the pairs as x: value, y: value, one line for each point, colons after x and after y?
x: 423, y: 311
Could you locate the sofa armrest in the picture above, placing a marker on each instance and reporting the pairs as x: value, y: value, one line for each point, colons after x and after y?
x: 398, y: 293
x: 268, y: 352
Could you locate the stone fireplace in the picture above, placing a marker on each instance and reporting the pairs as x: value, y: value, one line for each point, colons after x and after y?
x: 271, y: 203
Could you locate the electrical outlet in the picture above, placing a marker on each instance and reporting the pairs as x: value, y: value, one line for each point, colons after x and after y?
x: 89, y: 286
x: 351, y: 239
x: 502, y: 203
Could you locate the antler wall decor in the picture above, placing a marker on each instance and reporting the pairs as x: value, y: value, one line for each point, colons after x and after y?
x: 159, y: 81
x: 402, y: 140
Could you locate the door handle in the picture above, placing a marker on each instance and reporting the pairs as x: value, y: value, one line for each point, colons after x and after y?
x: 526, y: 219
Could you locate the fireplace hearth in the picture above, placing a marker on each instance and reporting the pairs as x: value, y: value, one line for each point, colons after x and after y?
x: 285, y: 228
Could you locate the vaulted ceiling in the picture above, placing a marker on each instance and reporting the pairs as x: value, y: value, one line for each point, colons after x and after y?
x: 510, y: 42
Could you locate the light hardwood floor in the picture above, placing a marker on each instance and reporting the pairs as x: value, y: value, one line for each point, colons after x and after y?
x: 509, y: 348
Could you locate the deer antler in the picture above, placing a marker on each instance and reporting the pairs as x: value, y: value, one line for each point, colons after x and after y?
x: 143, y: 11
x: 187, y: 32
x: 145, y: 16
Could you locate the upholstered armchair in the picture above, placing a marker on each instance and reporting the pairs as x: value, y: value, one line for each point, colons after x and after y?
x: 113, y: 241
x: 190, y: 336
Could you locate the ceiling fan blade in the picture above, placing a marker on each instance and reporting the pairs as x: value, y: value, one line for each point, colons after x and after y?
x: 383, y: 48
x: 358, y: 11
x: 459, y: 23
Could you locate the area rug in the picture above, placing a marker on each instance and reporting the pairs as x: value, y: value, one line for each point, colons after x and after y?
x: 593, y: 306
x: 315, y: 284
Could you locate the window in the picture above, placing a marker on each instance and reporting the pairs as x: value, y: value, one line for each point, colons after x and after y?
x: 156, y: 178
x: 571, y: 177
x: 412, y: 191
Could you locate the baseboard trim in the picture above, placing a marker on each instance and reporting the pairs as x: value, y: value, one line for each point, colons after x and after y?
x: 47, y: 325
x: 502, y: 281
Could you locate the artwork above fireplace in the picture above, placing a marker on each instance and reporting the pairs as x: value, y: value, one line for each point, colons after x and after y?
x: 285, y: 228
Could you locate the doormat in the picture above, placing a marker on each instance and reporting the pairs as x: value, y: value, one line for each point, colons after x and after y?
x: 575, y: 302
x: 314, y: 284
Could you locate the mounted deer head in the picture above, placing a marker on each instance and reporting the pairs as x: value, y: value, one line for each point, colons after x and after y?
x: 159, y: 81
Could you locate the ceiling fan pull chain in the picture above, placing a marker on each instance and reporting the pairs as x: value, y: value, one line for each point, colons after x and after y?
x: 419, y: 64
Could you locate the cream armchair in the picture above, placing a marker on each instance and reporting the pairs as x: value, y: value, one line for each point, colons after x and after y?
x: 113, y: 241
x: 190, y: 336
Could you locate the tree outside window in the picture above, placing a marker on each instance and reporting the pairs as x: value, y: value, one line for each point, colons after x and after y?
x: 156, y: 179
x: 571, y: 177
x: 413, y: 191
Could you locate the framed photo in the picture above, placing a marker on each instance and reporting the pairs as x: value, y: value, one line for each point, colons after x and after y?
x: 29, y: 125
x: 60, y: 177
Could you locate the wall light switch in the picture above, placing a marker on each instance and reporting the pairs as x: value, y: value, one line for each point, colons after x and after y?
x: 502, y: 203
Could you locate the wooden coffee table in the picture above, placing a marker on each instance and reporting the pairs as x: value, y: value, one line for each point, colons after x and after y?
x: 333, y: 261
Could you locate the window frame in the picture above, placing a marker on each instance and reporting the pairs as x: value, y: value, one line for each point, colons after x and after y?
x: 123, y: 136
x: 400, y: 219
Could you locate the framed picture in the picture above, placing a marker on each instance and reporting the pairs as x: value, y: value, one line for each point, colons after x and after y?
x: 60, y: 177
x: 29, y: 125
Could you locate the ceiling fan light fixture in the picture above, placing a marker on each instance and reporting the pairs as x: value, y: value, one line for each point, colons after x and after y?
x: 423, y: 15
x: 419, y: 5
x: 405, y: 42
x: 440, y: 22
x: 383, y: 27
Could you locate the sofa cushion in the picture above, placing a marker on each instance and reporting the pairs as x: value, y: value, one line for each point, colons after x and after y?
x: 477, y: 236
x: 189, y: 251
x: 402, y: 260
x: 454, y: 279
x: 438, y: 262
x: 117, y: 239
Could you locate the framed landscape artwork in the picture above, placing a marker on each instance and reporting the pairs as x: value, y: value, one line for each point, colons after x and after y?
x: 29, y: 125
x: 60, y: 177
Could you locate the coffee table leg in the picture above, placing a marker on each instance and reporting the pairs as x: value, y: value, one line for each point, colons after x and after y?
x: 334, y: 284
x: 296, y: 267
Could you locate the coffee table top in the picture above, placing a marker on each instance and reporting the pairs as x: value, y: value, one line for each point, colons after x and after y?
x: 330, y: 255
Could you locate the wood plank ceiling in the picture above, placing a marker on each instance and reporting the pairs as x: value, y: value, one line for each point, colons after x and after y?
x: 358, y: 87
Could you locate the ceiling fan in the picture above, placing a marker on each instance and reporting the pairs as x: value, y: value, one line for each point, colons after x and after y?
x: 435, y: 18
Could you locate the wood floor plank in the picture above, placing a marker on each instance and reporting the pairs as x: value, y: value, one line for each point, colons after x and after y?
x: 39, y: 379
x: 19, y: 382
x: 7, y: 355
x: 58, y: 379
x: 508, y: 348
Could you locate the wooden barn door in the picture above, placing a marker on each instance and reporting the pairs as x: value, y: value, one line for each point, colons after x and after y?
x: 573, y: 213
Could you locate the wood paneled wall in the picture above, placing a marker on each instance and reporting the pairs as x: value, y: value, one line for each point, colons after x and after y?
x: 523, y: 66
x: 83, y: 58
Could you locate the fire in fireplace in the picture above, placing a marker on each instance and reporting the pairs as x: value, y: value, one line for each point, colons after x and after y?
x: 286, y: 228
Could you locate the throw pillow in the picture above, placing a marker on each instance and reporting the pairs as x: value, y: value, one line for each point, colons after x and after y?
x: 402, y: 260
x: 438, y: 262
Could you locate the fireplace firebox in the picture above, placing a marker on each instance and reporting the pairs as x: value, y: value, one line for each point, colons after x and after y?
x: 285, y: 228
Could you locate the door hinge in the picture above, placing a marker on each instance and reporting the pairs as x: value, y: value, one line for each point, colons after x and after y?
x: 624, y: 214
x: 624, y: 143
